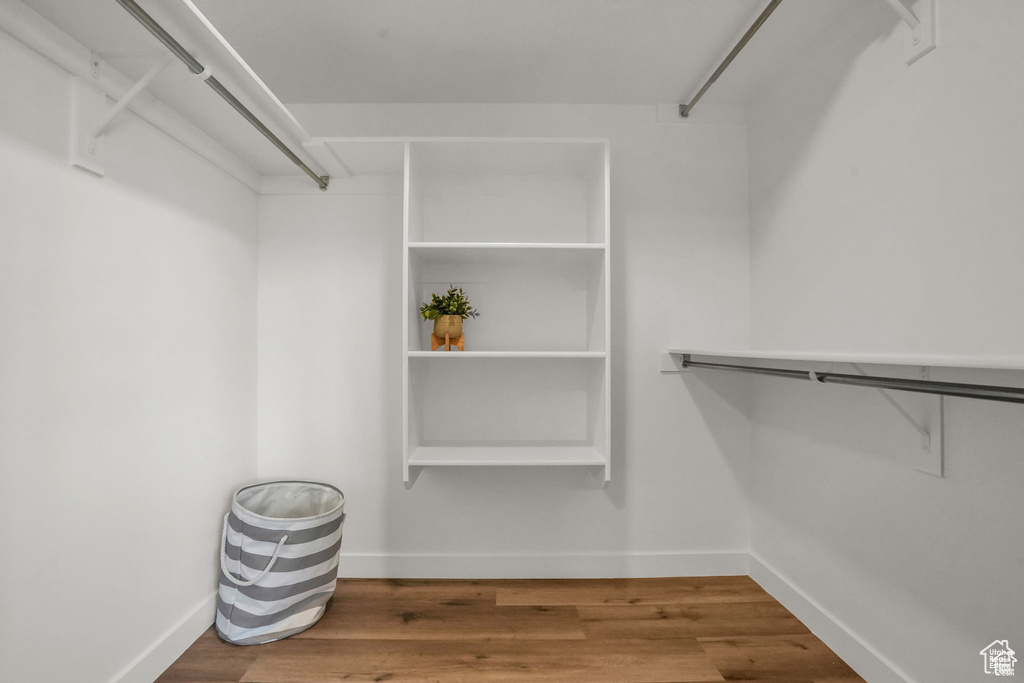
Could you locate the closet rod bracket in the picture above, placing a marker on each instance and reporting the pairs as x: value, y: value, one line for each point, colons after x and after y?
x: 91, y: 119
x: 930, y: 429
x: 920, y: 33
x: 132, y: 93
x: 926, y: 416
x: 670, y: 363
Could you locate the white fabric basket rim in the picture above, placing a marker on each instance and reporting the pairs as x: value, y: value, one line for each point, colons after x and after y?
x: 247, y: 511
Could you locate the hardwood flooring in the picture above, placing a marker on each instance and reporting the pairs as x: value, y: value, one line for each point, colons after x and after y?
x: 544, y: 631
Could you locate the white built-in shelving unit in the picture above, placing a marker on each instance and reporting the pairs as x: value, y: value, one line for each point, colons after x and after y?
x: 522, y: 225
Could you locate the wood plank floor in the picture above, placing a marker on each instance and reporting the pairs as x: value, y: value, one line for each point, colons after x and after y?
x: 549, y: 631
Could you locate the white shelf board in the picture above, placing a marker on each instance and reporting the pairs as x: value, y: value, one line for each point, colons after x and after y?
x: 505, y: 245
x: 541, y: 255
x: 451, y: 355
x: 495, y: 156
x: 505, y: 456
x: 479, y: 253
x: 994, y: 362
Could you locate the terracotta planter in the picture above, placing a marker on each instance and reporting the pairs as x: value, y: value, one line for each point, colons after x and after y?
x: 448, y: 324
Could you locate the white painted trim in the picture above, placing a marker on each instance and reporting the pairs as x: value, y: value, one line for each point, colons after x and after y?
x: 870, y: 664
x: 562, y: 566
x: 168, y: 647
x: 40, y: 36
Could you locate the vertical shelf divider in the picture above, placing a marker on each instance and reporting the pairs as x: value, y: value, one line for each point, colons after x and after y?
x: 406, y: 331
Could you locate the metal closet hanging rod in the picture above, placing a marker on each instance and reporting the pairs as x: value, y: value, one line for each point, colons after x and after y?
x: 684, y: 109
x: 985, y: 392
x: 195, y: 67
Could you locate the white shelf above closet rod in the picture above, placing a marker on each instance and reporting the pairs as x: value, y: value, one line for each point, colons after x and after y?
x: 929, y: 458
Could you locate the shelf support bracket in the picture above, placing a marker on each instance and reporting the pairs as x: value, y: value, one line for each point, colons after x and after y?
x: 672, y: 363
x: 920, y: 35
x: 132, y: 93
x: 88, y: 105
x: 929, y: 460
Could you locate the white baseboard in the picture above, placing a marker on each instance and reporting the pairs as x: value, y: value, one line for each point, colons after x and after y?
x: 864, y: 659
x: 562, y: 566
x: 161, y: 654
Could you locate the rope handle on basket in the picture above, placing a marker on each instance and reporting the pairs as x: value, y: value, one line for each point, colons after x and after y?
x: 224, y: 558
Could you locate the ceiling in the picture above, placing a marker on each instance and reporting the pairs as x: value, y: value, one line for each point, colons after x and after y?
x: 447, y: 51
x: 503, y: 51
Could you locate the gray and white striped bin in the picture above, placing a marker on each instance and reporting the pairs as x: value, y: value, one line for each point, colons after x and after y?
x: 278, y: 559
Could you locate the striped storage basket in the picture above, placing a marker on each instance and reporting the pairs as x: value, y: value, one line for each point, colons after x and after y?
x: 278, y: 560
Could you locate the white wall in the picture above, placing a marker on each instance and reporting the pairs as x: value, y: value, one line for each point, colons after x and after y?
x: 886, y: 212
x: 127, y: 383
x: 330, y: 359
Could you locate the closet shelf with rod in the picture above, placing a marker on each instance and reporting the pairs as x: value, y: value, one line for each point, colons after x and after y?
x: 925, y: 417
x: 923, y: 386
x: 203, y: 72
x: 690, y: 357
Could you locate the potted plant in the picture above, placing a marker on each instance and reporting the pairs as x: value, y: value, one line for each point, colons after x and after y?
x: 448, y: 311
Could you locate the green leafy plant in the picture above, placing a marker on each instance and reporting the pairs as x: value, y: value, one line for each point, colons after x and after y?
x: 452, y: 302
